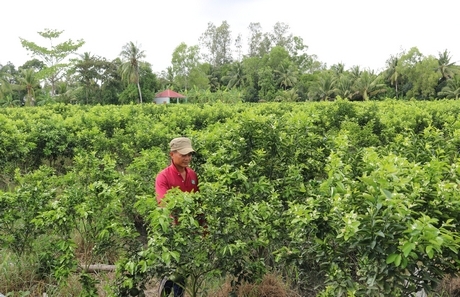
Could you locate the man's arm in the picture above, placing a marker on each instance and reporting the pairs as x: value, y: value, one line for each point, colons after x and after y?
x: 161, y: 187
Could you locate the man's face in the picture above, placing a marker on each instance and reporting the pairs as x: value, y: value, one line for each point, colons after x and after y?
x: 181, y: 160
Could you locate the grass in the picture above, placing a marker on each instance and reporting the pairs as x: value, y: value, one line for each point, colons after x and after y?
x: 17, y: 274
x: 270, y: 286
x: 19, y: 277
x: 449, y: 287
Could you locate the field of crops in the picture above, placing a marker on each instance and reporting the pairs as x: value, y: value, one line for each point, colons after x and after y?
x: 339, y: 198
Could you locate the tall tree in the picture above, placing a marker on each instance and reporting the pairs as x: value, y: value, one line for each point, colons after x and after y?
x: 277, y: 57
x: 167, y: 78
x: 406, y: 67
x: 446, y: 68
x: 393, y: 73
x: 34, y: 63
x: 254, y: 39
x: 452, y: 88
x: 259, y: 43
x: 111, y: 81
x: 305, y: 63
x: 369, y: 84
x: 5, y: 85
x: 132, y: 56
x: 324, y: 88
x: 420, y: 73
x: 214, y: 77
x: 198, y: 77
x: 9, y: 90
x: 344, y: 85
x: 54, y: 56
x: 239, y: 47
x: 338, y: 69
x: 184, y: 60
x: 216, y: 44
x: 236, y: 77
x: 251, y: 66
x: 355, y: 72
x: 88, y: 71
x: 281, y: 36
x: 286, y: 77
x: 266, y: 83
x: 29, y: 82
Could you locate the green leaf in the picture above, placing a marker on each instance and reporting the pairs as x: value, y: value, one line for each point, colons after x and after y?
x: 398, y: 260
x: 130, y: 267
x: 404, y: 262
x: 453, y: 249
x: 166, y: 257
x: 391, y: 258
x: 192, y: 221
x: 407, y: 248
x: 373, y: 244
x: 429, y: 251
x: 380, y: 233
x: 142, y: 266
x: 368, y: 197
x: 386, y: 193
x: 164, y: 224
x: 175, y: 255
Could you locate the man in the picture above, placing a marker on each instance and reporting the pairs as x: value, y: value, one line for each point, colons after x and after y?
x: 177, y: 175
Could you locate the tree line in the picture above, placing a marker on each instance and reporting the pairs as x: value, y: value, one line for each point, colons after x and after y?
x: 275, y: 67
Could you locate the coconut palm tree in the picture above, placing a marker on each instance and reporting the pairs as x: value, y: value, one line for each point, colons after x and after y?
x: 8, y: 101
x: 86, y: 69
x: 287, y: 96
x: 5, y: 86
x: 214, y: 77
x: 355, y: 72
x: 446, y: 68
x: 338, y: 69
x: 452, y: 88
x: 393, y: 73
x: 28, y: 81
x: 344, y: 86
x: 132, y: 56
x: 324, y: 88
x: 369, y: 84
x: 286, y: 76
x: 236, y: 77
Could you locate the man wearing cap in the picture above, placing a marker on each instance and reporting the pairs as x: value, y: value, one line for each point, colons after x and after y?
x: 177, y: 175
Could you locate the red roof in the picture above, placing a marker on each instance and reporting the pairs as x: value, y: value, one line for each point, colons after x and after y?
x: 170, y: 94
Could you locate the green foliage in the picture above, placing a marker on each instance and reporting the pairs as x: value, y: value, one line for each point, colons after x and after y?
x: 220, y: 96
x: 17, y: 273
x: 349, y: 198
x: 452, y: 88
x: 19, y: 207
x: 129, y: 95
x: 275, y: 62
x: 132, y: 57
x: 53, y: 57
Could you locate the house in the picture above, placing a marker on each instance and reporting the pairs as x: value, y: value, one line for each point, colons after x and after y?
x: 165, y: 97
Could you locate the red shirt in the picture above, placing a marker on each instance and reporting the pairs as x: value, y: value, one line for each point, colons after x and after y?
x: 170, y: 178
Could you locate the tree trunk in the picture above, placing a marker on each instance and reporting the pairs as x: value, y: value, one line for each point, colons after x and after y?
x: 100, y: 267
x: 140, y: 94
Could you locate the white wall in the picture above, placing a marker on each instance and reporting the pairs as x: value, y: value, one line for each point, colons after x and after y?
x: 162, y: 100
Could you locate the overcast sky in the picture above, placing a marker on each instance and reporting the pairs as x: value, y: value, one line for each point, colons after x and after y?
x: 361, y: 33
